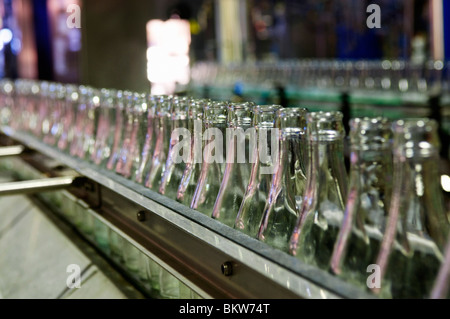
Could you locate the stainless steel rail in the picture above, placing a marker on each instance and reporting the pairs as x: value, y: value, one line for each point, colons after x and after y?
x: 36, y: 186
x: 193, y: 247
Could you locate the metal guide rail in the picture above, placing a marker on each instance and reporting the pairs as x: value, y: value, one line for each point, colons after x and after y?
x: 212, y: 259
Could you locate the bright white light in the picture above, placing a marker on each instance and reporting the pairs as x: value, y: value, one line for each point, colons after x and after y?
x: 6, y: 35
x: 445, y: 182
x: 168, y: 54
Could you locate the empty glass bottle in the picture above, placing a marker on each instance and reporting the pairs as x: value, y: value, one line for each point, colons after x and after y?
x: 106, y: 127
x: 120, y: 109
x: 288, y: 181
x: 145, y: 136
x: 324, y: 199
x: 192, y: 171
x: 367, y: 204
x: 85, y: 123
x: 441, y: 287
x: 129, y: 115
x: 417, y: 226
x: 213, y: 165
x: 265, y: 152
x: 68, y: 119
x: 179, y: 149
x: 41, y: 128
x: 157, y: 163
x: 240, y: 138
x: 6, y: 101
x: 55, y: 103
x: 134, y: 138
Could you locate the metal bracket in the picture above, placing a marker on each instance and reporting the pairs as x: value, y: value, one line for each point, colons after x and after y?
x: 40, y: 185
x: 11, y: 150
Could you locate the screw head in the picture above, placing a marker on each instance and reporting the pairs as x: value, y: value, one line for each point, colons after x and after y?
x: 141, y: 216
x: 227, y: 268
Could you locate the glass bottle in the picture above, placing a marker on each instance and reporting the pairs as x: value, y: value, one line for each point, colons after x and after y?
x: 41, y: 127
x: 6, y: 101
x: 240, y: 138
x: 120, y: 112
x: 441, y: 287
x: 127, y: 132
x: 322, y: 208
x: 84, y: 133
x: 265, y: 152
x: 192, y: 171
x: 104, y: 140
x: 134, y: 140
x: 213, y: 165
x: 179, y: 148
x: 19, y: 95
x: 288, y: 181
x: 70, y: 110
x: 417, y: 226
x: 367, y: 204
x: 162, y: 129
x: 55, y: 103
x: 145, y: 136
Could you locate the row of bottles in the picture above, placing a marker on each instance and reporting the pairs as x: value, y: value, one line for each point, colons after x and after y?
x: 276, y: 174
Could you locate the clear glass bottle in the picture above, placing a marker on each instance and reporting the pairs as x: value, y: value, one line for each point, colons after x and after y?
x: 288, y: 181
x: 68, y: 119
x: 120, y: 109
x: 41, y: 127
x: 6, y: 101
x: 213, y: 165
x: 106, y: 127
x: 55, y: 103
x: 441, y: 287
x: 250, y: 212
x: 128, y: 118
x: 134, y: 139
x: 240, y: 137
x: 176, y: 159
x: 322, y: 208
x: 367, y: 204
x: 191, y: 174
x: 162, y: 129
x: 19, y: 94
x: 417, y: 226
x: 85, y: 123
x: 145, y: 136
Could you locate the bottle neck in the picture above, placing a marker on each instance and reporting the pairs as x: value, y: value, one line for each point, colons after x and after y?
x: 417, y: 180
x: 327, y: 174
x: 292, y: 163
x: 370, y: 179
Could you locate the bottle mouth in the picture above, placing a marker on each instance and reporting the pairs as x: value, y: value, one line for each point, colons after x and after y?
x: 180, y: 107
x: 196, y: 107
x: 291, y: 120
x: 416, y: 137
x: 240, y: 114
x: 164, y: 105
x: 264, y: 116
x: 216, y: 113
x: 325, y: 126
x: 370, y: 133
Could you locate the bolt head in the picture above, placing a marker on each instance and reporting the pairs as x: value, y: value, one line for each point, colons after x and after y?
x: 227, y: 268
x: 141, y: 216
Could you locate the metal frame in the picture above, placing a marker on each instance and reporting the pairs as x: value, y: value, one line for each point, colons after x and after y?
x: 211, y: 258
